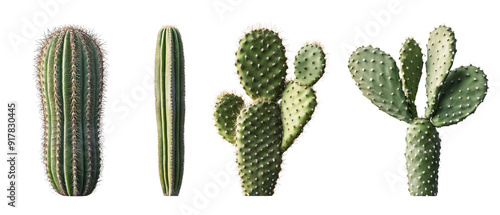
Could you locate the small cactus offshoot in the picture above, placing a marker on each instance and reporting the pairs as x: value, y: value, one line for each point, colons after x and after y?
x: 70, y: 78
x: 263, y: 130
x: 452, y: 95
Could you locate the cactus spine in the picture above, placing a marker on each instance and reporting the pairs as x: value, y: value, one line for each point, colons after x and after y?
x: 169, y: 92
x: 452, y: 95
x: 70, y: 78
x: 263, y: 130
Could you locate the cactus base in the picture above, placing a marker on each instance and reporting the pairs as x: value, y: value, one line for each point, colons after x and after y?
x: 422, y: 158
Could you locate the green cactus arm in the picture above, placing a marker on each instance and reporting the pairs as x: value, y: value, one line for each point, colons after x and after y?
x: 169, y: 92
x: 309, y: 64
x: 261, y: 64
x: 70, y: 67
x: 377, y: 76
x: 227, y: 108
x: 411, y: 71
x: 440, y: 53
x: 463, y: 90
x: 297, y: 107
x: 258, y: 138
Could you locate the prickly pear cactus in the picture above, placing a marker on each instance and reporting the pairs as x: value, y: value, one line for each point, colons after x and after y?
x: 263, y: 130
x: 169, y: 93
x: 452, y: 95
x: 70, y: 77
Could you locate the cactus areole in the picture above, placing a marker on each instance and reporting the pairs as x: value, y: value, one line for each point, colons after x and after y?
x: 263, y: 130
x: 70, y: 78
x: 452, y: 95
x: 169, y: 93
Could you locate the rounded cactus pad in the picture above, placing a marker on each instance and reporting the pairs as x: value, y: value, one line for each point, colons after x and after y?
x: 297, y: 107
x: 258, y: 139
x: 422, y: 158
x: 440, y: 53
x: 309, y: 64
x: 377, y: 76
x: 411, y: 71
x: 463, y: 90
x: 227, y: 108
x: 261, y: 64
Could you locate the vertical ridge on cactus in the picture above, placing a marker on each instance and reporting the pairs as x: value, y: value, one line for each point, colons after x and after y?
x: 265, y: 129
x: 70, y: 77
x: 169, y: 92
x: 451, y: 97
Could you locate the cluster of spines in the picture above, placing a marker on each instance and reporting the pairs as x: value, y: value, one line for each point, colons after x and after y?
x: 70, y: 72
x: 170, y: 107
x: 264, y: 130
x: 452, y: 95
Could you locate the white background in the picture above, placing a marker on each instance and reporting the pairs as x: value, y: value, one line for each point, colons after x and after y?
x: 350, y: 158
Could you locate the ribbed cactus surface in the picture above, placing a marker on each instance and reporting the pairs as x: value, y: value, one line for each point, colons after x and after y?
x: 169, y: 92
x: 452, y: 95
x: 70, y: 76
x: 263, y: 130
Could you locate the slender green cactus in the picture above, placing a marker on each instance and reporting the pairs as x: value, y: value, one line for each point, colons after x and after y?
x: 266, y: 128
x: 169, y: 92
x: 70, y: 77
x: 452, y: 95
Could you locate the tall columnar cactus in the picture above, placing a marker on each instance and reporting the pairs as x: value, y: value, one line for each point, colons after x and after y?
x: 70, y: 77
x: 169, y: 92
x: 263, y: 130
x: 452, y: 95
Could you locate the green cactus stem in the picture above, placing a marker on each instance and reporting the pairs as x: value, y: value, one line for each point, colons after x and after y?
x: 169, y: 92
x: 259, y: 134
x: 452, y: 95
x: 70, y: 77
x: 265, y: 129
x: 422, y: 158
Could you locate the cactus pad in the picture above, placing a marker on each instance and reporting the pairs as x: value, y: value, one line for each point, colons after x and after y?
x: 297, y: 107
x: 261, y: 64
x: 411, y: 71
x: 377, y: 76
x: 422, y: 158
x: 309, y: 64
x: 463, y: 90
x: 227, y: 108
x: 440, y: 53
x: 258, y: 139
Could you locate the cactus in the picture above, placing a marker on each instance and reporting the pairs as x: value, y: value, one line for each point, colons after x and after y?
x: 266, y: 128
x: 169, y: 93
x: 452, y: 95
x: 70, y: 78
